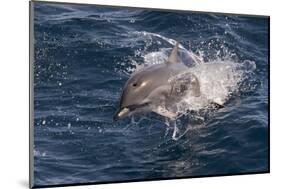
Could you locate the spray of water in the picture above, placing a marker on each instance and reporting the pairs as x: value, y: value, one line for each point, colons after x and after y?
x: 220, y: 78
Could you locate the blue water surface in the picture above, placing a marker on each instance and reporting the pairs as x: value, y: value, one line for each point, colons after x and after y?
x: 82, y: 53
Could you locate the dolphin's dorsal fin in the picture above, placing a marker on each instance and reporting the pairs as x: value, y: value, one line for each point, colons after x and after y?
x: 174, y: 55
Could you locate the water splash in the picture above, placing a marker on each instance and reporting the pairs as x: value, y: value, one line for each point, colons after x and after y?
x: 220, y: 77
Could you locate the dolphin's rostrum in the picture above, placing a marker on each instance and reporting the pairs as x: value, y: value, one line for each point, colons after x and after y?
x: 157, y: 88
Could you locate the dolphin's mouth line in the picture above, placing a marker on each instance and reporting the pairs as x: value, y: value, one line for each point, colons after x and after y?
x: 137, y: 106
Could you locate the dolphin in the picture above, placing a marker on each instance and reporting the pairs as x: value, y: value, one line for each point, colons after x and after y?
x: 157, y: 88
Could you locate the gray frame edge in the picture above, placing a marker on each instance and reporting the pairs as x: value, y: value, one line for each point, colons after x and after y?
x: 31, y: 95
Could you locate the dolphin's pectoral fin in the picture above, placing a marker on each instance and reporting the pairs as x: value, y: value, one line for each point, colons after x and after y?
x: 185, y: 84
x: 161, y: 110
x: 174, y: 55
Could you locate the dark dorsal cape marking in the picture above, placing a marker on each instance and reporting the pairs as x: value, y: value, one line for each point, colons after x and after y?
x: 173, y: 58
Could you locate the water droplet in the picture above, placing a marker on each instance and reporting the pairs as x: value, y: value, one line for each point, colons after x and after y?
x: 100, y: 130
x: 43, y: 122
x: 69, y: 125
x: 60, y: 83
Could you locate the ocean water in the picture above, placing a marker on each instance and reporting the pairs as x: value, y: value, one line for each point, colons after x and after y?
x: 84, y: 54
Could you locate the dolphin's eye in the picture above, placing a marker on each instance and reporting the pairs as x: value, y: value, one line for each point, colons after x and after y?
x: 135, y: 84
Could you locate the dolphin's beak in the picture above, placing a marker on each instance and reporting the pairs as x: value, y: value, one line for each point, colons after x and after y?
x: 121, y: 113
